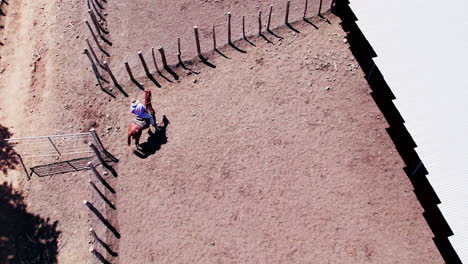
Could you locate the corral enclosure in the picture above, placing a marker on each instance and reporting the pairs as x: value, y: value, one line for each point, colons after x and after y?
x: 278, y: 154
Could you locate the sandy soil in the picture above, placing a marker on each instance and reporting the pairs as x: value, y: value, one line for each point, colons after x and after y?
x: 265, y: 164
x: 162, y: 23
x: 277, y: 155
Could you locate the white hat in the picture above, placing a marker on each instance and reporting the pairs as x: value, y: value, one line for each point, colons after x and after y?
x: 135, y: 102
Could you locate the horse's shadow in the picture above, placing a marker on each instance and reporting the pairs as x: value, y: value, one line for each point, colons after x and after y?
x: 154, y: 142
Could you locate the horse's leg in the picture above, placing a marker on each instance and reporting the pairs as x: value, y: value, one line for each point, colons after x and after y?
x: 129, y: 135
x: 137, y: 139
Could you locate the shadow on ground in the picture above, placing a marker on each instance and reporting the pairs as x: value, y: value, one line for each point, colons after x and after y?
x: 154, y: 142
x: 24, y: 237
x: 8, y: 157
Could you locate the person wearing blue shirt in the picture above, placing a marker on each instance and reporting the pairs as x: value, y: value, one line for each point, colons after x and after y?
x: 139, y: 110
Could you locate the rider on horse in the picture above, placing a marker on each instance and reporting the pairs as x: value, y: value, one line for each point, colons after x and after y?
x: 141, y: 114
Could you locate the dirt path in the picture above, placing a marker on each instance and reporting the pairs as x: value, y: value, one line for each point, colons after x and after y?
x: 16, y: 64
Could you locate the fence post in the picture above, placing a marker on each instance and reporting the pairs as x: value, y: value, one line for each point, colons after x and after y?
x: 229, y: 27
x: 95, y: 9
x: 96, y: 24
x: 145, y: 67
x: 269, y: 18
x: 98, y: 154
x: 178, y: 46
x: 103, y: 220
x: 197, y: 41
x: 98, y: 141
x: 93, y: 66
x: 98, y: 256
x: 154, y: 60
x: 179, y: 53
x: 53, y: 145
x: 99, y: 177
x: 305, y: 9
x: 111, y: 74
x: 214, y: 37
x: 243, y: 27
x: 103, y: 244
x: 93, y: 234
x: 286, y: 19
x: 320, y: 9
x: 92, y: 52
x: 129, y: 71
x: 163, y: 57
x: 99, y: 4
x: 96, y: 138
x: 103, y: 197
x: 260, y: 22
x: 99, y: 25
x: 24, y: 167
x: 92, y: 34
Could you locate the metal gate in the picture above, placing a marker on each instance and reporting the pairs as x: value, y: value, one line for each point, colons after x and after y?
x: 48, y: 155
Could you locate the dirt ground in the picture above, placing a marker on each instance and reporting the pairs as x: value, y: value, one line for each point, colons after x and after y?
x: 276, y: 155
x: 161, y: 24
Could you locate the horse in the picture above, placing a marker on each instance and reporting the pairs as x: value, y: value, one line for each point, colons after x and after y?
x: 135, y: 130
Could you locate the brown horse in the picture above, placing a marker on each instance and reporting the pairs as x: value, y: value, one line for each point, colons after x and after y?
x: 134, y: 130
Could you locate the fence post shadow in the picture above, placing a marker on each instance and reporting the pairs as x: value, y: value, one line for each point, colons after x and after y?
x: 310, y: 22
x: 274, y: 34
x: 147, y: 72
x: 100, y: 178
x: 99, y: 256
x: 164, y: 76
x: 182, y: 64
x: 102, y: 243
x: 237, y: 48
x: 102, y: 218
x: 265, y: 38
x: 114, y: 80
x: 165, y: 65
x: 157, y: 68
x: 248, y: 41
x: 132, y: 78
x: 101, y: 160
x: 151, y: 77
x: 292, y: 28
x: 206, y: 62
x: 171, y: 72
x: 101, y: 146
x: 103, y: 197
x: 222, y: 54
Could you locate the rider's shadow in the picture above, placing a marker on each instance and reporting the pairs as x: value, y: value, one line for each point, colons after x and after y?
x: 154, y: 142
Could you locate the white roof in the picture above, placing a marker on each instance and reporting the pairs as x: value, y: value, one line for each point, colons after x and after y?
x: 422, y: 52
